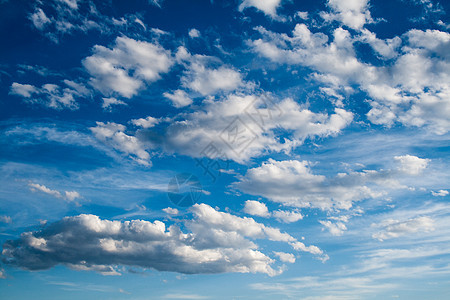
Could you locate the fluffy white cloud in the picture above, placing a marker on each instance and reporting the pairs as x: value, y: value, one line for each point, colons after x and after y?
x: 440, y: 193
x: 109, y: 102
x: 285, y: 257
x: 336, y: 228
x: 39, y: 19
x: 145, y: 122
x: 24, y: 90
x: 217, y: 242
x: 413, y: 89
x: 293, y: 183
x: 114, y: 135
x: 207, y: 81
x: 49, y: 95
x: 269, y: 7
x: 256, y: 208
x: 411, y: 164
x: 241, y: 127
x: 353, y: 13
x: 287, y: 216
x: 67, y: 195
x: 171, y: 211
x: 127, y: 67
x: 194, y: 33
x: 179, y: 98
x: 394, y: 228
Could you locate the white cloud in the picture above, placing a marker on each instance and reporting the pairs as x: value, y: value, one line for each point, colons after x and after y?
x: 207, y: 81
x: 269, y: 7
x: 39, y: 19
x: 336, y: 228
x: 440, y: 193
x: 127, y: 67
x: 217, y: 242
x: 287, y: 216
x: 145, y: 122
x: 109, y: 102
x: 49, y: 95
x: 411, y: 164
x: 394, y: 228
x: 179, y: 98
x: 256, y: 208
x: 171, y: 211
x: 24, y: 90
x: 63, y: 17
x: 292, y: 183
x: 5, y: 219
x: 67, y: 195
x: 194, y: 33
x: 353, y: 13
x: 285, y: 257
x: 114, y: 135
x: 386, y: 49
x: 71, y: 195
x: 259, y: 122
x: 413, y: 89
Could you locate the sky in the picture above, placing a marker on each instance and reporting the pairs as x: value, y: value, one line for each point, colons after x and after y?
x: 212, y: 149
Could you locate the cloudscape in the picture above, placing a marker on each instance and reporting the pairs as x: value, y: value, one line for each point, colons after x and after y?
x: 225, y: 149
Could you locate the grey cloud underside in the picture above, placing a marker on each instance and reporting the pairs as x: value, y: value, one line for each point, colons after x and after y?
x: 217, y: 242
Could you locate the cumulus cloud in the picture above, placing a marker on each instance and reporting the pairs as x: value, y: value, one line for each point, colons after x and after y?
x: 179, y: 98
x: 287, y: 216
x: 49, y: 95
x: 256, y: 208
x: 56, y: 18
x: 336, y: 228
x: 411, y: 164
x: 292, y: 183
x: 207, y: 81
x: 269, y: 7
x: 413, y: 89
x: 171, y: 211
x: 108, y: 103
x: 217, y: 242
x: 127, y: 67
x: 353, y: 13
x: 145, y: 122
x: 194, y: 33
x: 66, y: 195
x: 394, y: 228
x: 285, y: 257
x: 440, y: 193
x: 114, y: 135
x: 241, y: 127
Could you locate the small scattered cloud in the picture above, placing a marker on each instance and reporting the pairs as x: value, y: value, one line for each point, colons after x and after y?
x: 108, y: 103
x: 179, y: 98
x: 256, y: 208
x: 440, y: 193
x: 171, y: 211
x: 269, y: 7
x: 194, y: 33
x: 66, y: 195
x: 411, y: 164
x: 114, y: 135
x: 147, y: 122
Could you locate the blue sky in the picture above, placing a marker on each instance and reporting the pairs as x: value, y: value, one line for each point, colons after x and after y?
x: 310, y: 140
